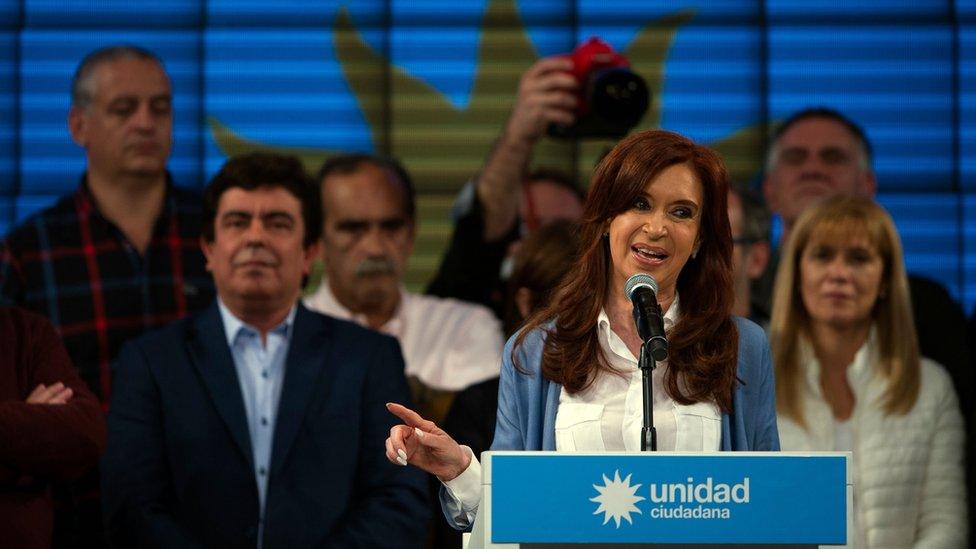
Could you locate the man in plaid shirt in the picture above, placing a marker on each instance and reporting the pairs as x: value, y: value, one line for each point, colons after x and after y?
x: 120, y: 255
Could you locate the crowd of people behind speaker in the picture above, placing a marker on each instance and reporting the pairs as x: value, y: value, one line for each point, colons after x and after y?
x: 117, y: 257
x: 258, y: 422
x: 819, y: 152
x: 370, y: 224
x: 849, y: 377
x: 121, y: 257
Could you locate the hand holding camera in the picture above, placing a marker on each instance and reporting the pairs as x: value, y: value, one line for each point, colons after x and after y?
x: 546, y: 95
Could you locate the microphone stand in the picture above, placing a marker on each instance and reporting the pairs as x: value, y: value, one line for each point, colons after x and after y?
x: 646, y: 363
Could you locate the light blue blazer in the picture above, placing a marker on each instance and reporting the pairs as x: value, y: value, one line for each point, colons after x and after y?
x: 527, y: 402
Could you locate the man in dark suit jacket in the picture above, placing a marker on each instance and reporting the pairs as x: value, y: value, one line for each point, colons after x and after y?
x: 259, y: 423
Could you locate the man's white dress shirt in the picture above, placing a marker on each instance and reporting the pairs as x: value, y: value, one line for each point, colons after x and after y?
x: 447, y: 344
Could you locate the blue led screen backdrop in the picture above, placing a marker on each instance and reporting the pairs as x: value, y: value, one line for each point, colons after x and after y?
x: 432, y: 81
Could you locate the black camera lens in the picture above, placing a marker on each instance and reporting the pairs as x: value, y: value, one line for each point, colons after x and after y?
x: 614, y: 101
x: 619, y: 96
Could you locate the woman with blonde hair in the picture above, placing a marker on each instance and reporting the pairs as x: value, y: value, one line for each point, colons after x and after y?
x: 849, y: 377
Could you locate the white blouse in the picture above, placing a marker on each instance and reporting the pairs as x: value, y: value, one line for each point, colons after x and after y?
x: 608, y: 415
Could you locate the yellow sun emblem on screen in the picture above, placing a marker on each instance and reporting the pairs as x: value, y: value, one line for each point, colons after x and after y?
x: 443, y: 145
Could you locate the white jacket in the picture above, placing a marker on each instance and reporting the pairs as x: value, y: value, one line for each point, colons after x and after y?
x: 909, y: 481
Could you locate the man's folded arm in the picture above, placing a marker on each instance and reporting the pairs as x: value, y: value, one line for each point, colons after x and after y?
x: 59, y: 441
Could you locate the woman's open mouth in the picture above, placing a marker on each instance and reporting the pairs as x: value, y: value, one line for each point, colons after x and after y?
x: 649, y: 254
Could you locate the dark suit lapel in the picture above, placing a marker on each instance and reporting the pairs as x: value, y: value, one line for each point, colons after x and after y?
x: 307, y: 352
x: 213, y: 360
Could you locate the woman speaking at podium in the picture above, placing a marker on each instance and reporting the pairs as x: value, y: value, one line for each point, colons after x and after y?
x: 570, y: 379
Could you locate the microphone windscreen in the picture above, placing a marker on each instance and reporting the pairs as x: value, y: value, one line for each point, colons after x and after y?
x: 638, y: 280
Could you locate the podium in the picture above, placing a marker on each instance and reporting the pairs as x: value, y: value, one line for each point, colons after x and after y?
x: 548, y: 500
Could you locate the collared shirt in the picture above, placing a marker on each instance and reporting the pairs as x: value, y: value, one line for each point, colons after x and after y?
x: 72, y: 265
x: 447, y: 344
x: 260, y: 370
x: 608, y: 415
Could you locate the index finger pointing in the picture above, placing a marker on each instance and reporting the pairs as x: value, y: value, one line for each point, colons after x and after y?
x: 411, y: 418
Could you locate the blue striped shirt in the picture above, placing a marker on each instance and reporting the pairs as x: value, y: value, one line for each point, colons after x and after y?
x: 261, y: 372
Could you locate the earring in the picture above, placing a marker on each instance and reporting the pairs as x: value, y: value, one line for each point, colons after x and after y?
x: 694, y: 253
x: 606, y: 234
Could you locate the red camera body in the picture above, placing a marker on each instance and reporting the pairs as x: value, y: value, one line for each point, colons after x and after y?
x: 591, y: 57
x: 612, y: 99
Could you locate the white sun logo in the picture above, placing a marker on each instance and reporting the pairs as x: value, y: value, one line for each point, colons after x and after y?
x: 617, y: 498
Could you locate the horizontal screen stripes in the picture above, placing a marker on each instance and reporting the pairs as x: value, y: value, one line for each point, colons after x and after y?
x: 967, y: 72
x: 271, y: 73
x: 8, y: 127
x: 50, y: 163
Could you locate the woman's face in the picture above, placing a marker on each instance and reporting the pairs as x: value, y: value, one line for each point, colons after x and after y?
x: 659, y: 232
x: 840, y: 280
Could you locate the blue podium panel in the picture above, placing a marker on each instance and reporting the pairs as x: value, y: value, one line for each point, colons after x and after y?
x: 668, y: 498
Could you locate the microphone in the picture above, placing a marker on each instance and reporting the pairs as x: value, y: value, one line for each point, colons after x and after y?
x: 641, y: 289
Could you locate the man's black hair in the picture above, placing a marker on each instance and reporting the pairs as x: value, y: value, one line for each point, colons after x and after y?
x: 265, y: 170
x: 829, y: 114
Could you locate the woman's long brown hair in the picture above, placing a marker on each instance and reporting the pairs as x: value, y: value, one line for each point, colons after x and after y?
x: 704, y: 342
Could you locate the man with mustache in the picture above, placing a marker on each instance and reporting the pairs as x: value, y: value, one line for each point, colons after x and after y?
x: 819, y: 152
x: 118, y: 256
x: 259, y: 423
x: 368, y: 233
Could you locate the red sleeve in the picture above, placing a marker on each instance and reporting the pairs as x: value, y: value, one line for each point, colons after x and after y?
x: 49, y: 440
x: 11, y: 278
